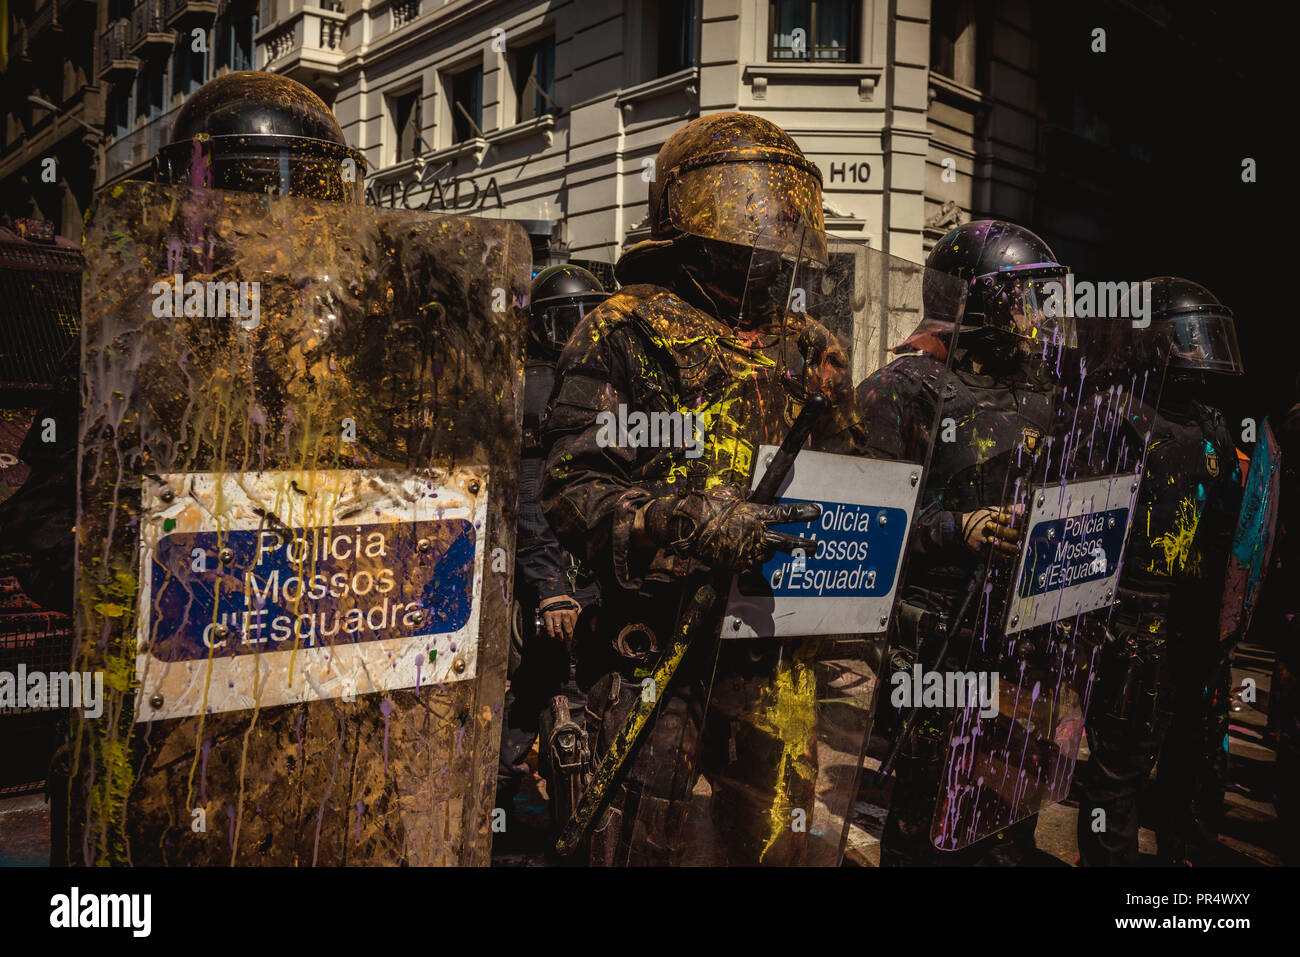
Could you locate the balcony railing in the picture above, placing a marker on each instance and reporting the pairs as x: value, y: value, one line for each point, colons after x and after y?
x: 178, y: 11
x: 113, y: 44
x: 46, y: 17
x: 149, y: 26
x: 331, y: 34
x: 308, y: 41
x: 404, y: 11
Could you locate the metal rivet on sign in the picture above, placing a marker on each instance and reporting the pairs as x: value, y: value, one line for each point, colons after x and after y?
x: 459, y: 666
x: 417, y: 615
x: 1051, y: 534
x: 1133, y: 487
x: 735, y: 624
x: 156, y: 701
x: 167, y: 495
x: 884, y: 620
x: 221, y: 630
x: 1042, y: 579
x: 1015, y: 620
x: 1041, y: 500
x: 871, y: 577
x: 914, y: 478
x: 422, y: 546
x: 1110, y: 522
x: 225, y: 556
x: 767, y: 459
x: 776, y: 578
x: 883, y: 519
x: 473, y: 488
x: 1107, y: 598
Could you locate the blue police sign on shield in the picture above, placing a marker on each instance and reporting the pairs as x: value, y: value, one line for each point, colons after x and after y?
x: 847, y: 584
x: 1070, y: 561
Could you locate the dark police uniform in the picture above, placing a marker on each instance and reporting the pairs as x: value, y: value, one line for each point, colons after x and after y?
x: 999, y: 422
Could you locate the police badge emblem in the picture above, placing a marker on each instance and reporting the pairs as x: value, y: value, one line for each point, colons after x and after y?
x: 1030, y: 437
x: 1212, y: 462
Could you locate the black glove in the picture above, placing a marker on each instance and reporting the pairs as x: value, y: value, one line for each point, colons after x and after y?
x: 722, y: 530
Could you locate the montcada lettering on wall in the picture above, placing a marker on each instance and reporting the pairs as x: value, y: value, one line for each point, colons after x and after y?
x: 437, y: 194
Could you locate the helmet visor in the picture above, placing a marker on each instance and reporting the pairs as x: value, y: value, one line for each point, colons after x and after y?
x: 1206, y: 341
x: 763, y: 205
x: 281, y: 166
x: 557, y: 322
x: 1033, y: 305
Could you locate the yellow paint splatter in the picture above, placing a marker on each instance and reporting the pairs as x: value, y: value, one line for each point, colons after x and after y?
x: 788, y: 711
x: 1179, y: 544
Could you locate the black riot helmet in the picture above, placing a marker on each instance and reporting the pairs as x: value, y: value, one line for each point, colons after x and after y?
x: 1016, y: 282
x: 1201, y: 330
x: 560, y: 297
x: 262, y: 133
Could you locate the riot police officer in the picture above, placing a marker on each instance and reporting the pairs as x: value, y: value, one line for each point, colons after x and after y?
x: 1163, y: 675
x: 998, y: 399
x: 552, y: 593
x: 250, y: 131
x: 245, y: 131
x: 699, y: 333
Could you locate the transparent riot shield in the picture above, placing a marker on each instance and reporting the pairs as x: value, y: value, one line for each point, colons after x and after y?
x: 1252, y: 543
x: 298, y: 476
x: 802, y: 642
x: 1054, y: 439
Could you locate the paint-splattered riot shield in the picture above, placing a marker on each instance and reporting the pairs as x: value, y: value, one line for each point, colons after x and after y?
x: 1080, y: 404
x: 803, y: 641
x: 296, y: 529
x: 1252, y: 543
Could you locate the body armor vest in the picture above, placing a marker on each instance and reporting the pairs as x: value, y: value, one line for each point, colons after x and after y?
x: 1186, y: 512
x: 995, y: 430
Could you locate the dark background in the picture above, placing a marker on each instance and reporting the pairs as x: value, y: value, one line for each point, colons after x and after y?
x: 1147, y: 141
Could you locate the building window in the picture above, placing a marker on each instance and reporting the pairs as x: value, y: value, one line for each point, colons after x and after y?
x: 467, y: 98
x: 237, y: 41
x: 675, y: 32
x: 118, y: 109
x: 190, y: 69
x: 952, y: 40
x: 405, y: 110
x: 149, y: 92
x: 535, y: 79
x: 820, y: 31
